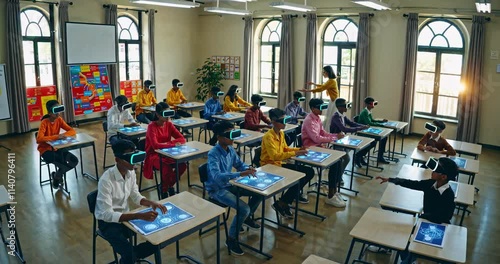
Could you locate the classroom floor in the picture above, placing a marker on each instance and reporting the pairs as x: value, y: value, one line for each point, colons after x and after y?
x: 57, y: 229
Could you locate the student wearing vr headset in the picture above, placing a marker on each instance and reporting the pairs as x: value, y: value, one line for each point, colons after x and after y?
x: 116, y: 186
x: 341, y: 123
x: 294, y: 109
x: 221, y: 160
x: 435, y: 142
x: 313, y: 134
x: 254, y: 115
x: 163, y: 134
x: 49, y: 129
x: 275, y: 151
x: 213, y: 106
x: 365, y: 118
x: 118, y: 115
x: 234, y: 103
x: 145, y: 98
x: 175, y: 97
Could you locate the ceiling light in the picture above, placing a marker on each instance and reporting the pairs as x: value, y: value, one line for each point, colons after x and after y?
x: 228, y: 11
x: 293, y: 6
x: 169, y: 3
x: 378, y: 5
x: 483, y: 6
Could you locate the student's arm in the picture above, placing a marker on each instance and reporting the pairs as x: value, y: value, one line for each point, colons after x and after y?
x: 415, y: 185
x: 448, y: 149
x: 302, y: 112
x: 323, y: 87
x: 69, y: 130
x: 228, y: 104
x: 208, y: 112
x: 153, y: 99
x: 178, y: 137
x: 353, y: 124
x: 114, y: 120
x: 41, y: 134
x: 182, y: 97
x: 135, y: 195
x: 170, y: 98
x: 264, y: 118
x: 238, y: 164
x: 130, y: 118
x: 249, y: 124
x: 316, y: 135
x: 215, y: 171
x: 365, y: 118
x: 243, y: 102
x: 423, y: 141
x: 152, y: 134
x: 337, y: 122
x: 273, y: 149
x: 140, y: 100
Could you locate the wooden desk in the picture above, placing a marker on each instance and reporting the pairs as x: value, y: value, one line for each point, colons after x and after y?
x: 134, y: 134
x: 365, y: 142
x: 8, y: 206
x: 454, y: 246
x: 466, y: 148
x: 198, y: 122
x: 291, y: 178
x: 290, y: 128
x: 264, y: 109
x: 204, y: 213
x: 149, y: 108
x: 235, y: 117
x: 254, y: 138
x: 382, y: 228
x: 191, y: 106
x: 378, y: 137
x: 313, y: 259
x: 335, y: 156
x: 84, y: 140
x: 203, y: 149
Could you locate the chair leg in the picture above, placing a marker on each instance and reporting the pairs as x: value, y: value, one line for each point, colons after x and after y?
x: 158, y: 187
x: 105, y: 150
x: 140, y: 177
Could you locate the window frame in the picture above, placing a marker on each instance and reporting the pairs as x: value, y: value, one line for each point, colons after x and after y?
x: 274, y: 45
x: 40, y: 39
x: 128, y: 42
x: 439, y: 51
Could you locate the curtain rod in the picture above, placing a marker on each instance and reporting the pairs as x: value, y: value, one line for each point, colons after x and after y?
x: 327, y: 16
x: 45, y: 2
x: 130, y: 9
x: 460, y: 18
x: 271, y: 17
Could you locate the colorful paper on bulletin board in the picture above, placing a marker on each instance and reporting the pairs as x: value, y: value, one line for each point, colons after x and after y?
x: 37, y: 98
x: 130, y: 89
x: 230, y: 65
x: 91, y: 90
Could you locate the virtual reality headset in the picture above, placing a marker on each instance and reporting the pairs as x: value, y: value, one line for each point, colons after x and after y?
x: 301, y: 99
x: 219, y: 94
x: 133, y: 157
x: 322, y: 106
x: 58, y: 109
x: 262, y: 103
x: 433, y: 164
x: 374, y: 103
x: 232, y: 134
x: 432, y: 128
x: 238, y: 90
x: 126, y: 106
x: 284, y: 120
x: 180, y: 84
x: 347, y: 105
x: 168, y: 113
x: 152, y: 86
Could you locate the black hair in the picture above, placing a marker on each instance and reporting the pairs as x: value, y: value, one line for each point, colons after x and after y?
x: 276, y: 114
x: 340, y: 102
x: 315, y: 102
x: 369, y: 100
x: 232, y: 92
x: 440, y: 124
x: 297, y: 95
x: 215, y: 90
x: 50, y: 104
x: 450, y: 168
x: 222, y: 126
x: 175, y: 82
x: 329, y: 71
x: 121, y: 99
x: 122, y: 146
x: 256, y: 98
x: 147, y: 83
x: 160, y: 107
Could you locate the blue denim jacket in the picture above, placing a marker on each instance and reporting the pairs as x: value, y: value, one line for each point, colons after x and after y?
x: 212, y: 107
x: 220, y: 165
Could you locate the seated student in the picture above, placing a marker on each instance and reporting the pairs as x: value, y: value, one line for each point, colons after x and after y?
x: 294, y: 110
x: 275, y: 151
x: 145, y: 98
x: 254, y: 115
x: 341, y: 123
x: 163, y: 134
x: 175, y: 97
x: 365, y: 118
x: 313, y: 134
x: 221, y: 160
x: 213, y: 107
x: 115, y: 187
x: 234, y: 103
x: 118, y: 116
x: 435, y: 142
x: 49, y: 130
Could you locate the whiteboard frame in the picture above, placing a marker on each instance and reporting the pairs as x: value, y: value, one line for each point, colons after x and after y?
x: 88, y: 62
x: 9, y: 104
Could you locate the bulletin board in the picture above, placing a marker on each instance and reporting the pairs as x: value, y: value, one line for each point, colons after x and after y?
x: 130, y: 89
x: 230, y: 65
x: 37, y: 99
x: 90, y: 88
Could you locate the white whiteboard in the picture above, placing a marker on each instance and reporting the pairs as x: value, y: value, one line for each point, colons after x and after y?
x: 4, y: 98
x: 90, y: 43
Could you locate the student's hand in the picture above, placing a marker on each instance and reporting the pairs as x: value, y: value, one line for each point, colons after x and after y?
x: 303, y: 148
x: 384, y: 120
x: 382, y: 179
x: 135, y: 124
x: 184, y: 101
x: 269, y: 126
x: 155, y: 205
x: 250, y: 172
x: 428, y: 148
x: 62, y: 136
x: 177, y: 144
x: 148, y: 216
x: 366, y: 126
x: 300, y: 152
x: 220, y: 113
x: 340, y: 135
x: 435, y: 150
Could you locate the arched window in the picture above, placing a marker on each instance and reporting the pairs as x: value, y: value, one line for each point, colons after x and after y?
x: 270, y: 57
x: 339, y: 51
x: 37, y: 48
x: 439, y: 69
x: 130, y: 50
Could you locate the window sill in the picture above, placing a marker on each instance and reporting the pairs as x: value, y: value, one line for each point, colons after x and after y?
x: 269, y: 96
x: 428, y: 117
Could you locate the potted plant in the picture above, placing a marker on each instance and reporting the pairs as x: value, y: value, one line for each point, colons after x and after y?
x: 209, y: 75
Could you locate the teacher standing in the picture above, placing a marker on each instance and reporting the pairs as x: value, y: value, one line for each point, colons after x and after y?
x: 331, y: 89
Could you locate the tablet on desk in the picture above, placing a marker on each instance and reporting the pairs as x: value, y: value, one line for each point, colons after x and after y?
x: 461, y: 162
x: 349, y: 141
x: 180, y: 150
x: 430, y: 234
x: 183, y: 121
x: 68, y: 140
x: 314, y: 156
x: 372, y: 130
x: 173, y: 216
x: 263, y: 180
x: 132, y: 129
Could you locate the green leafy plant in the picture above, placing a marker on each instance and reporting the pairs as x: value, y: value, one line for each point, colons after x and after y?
x: 209, y: 75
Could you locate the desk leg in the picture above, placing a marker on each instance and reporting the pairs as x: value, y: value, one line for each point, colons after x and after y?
x: 218, y: 240
x: 95, y: 178
x: 158, y: 255
x: 206, y: 128
x: 349, y: 252
x: 261, y: 244
x: 161, y: 172
x: 318, y: 190
x: 296, y: 207
x: 177, y: 175
x: 464, y: 209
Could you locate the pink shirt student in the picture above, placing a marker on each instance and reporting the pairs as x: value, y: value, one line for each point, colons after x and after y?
x: 313, y: 133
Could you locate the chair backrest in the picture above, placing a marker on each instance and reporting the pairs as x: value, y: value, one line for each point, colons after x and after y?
x: 299, y: 140
x: 105, y: 126
x: 203, y: 172
x: 256, y: 157
x: 92, y: 200
x: 36, y: 135
x: 241, y: 124
x: 133, y: 107
x: 141, y: 145
x: 202, y: 112
x: 356, y: 118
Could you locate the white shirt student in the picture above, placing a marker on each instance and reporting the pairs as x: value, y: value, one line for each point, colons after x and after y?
x: 118, y: 117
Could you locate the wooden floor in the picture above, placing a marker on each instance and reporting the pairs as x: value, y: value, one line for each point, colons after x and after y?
x: 57, y: 229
